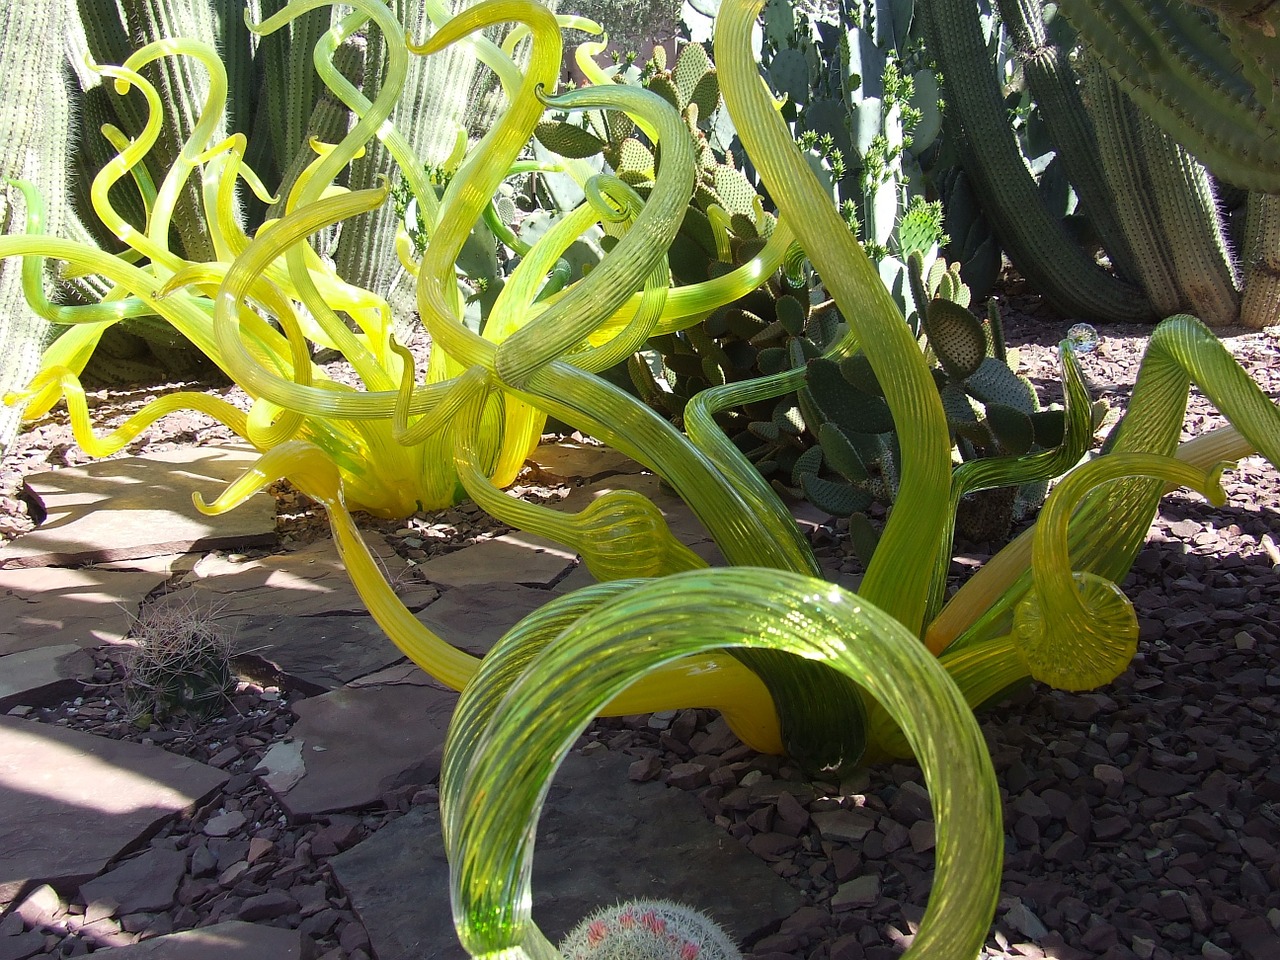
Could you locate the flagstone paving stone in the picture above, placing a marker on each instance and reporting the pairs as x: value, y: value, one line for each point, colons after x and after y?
x: 602, y: 838
x: 474, y: 616
x: 132, y: 507
x: 360, y: 743
x: 233, y: 940
x: 307, y: 582
x: 54, y: 606
x: 45, y: 675
x: 318, y: 653
x: 92, y: 798
x: 512, y: 558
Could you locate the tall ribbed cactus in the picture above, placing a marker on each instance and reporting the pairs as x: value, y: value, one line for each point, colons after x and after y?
x: 1260, y: 303
x: 35, y: 125
x: 1210, y: 82
x: 1054, y: 84
x: 435, y: 104
x: 1153, y: 205
x: 1164, y: 196
x: 1035, y: 241
x: 274, y: 96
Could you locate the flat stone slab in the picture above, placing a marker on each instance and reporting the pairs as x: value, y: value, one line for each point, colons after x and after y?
x: 474, y: 617
x: 233, y: 940
x: 55, y: 606
x: 573, y: 461
x: 70, y: 801
x: 359, y: 743
x: 601, y: 839
x: 512, y: 558
x: 134, y: 507
x: 317, y: 653
x: 148, y: 881
x: 43, y: 676
x: 308, y: 582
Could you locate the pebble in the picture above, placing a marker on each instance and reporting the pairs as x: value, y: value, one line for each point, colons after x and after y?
x: 1146, y: 803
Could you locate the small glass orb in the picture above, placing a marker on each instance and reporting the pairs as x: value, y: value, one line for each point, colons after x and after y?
x: 1084, y: 339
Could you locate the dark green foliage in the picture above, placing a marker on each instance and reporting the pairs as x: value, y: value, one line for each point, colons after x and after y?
x: 991, y: 412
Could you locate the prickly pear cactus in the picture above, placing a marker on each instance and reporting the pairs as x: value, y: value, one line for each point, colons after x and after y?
x: 991, y: 410
x: 864, y: 103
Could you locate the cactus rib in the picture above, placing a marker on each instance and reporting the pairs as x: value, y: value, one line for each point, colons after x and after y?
x: 1036, y: 243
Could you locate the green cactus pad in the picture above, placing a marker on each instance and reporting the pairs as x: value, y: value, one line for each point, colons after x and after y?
x: 789, y: 74
x: 924, y: 97
x: 779, y: 21
x: 993, y: 382
x: 791, y: 315
x: 568, y: 140
x: 634, y: 156
x: 858, y: 371
x: 764, y: 429
x: 841, y: 454
x: 736, y: 193
x: 706, y: 94
x: 744, y: 228
x: 1011, y: 427
x: 838, y: 402
x: 692, y: 64
x: 1049, y: 427
x: 808, y: 462
x: 956, y: 404
x: 837, y: 499
x: 787, y: 416
x: 664, y: 87
x: 619, y: 125
x: 956, y: 337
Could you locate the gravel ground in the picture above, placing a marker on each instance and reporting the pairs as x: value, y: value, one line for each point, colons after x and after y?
x: 1141, y: 820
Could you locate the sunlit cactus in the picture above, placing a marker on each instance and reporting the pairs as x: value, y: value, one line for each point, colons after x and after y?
x: 648, y: 930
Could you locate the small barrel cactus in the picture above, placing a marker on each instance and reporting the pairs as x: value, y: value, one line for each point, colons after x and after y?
x: 648, y: 930
x: 181, y: 665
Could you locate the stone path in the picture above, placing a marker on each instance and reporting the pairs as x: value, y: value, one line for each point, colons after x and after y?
x: 77, y: 810
x: 1141, y: 820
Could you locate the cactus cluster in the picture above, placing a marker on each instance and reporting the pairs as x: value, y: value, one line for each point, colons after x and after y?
x: 859, y: 87
x: 1208, y: 77
x: 648, y: 930
x: 1086, y: 130
x: 991, y: 411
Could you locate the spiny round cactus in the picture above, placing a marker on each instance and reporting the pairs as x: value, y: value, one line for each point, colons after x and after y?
x: 181, y: 665
x: 648, y: 930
